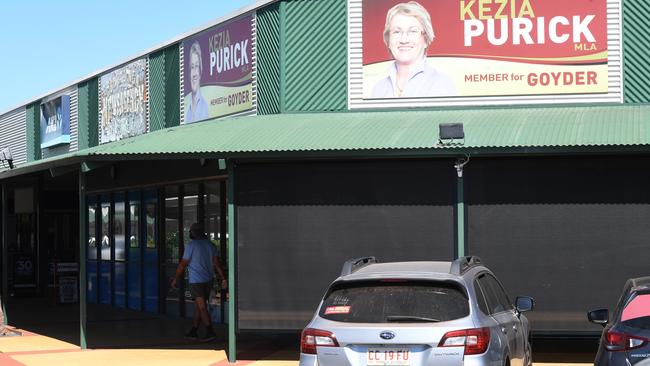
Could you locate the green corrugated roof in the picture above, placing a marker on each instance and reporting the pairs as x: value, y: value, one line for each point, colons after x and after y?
x: 518, y: 130
x: 618, y: 125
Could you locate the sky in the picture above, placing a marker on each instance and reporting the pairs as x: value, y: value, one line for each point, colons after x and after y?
x: 47, y: 45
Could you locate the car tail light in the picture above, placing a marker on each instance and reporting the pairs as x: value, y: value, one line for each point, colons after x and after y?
x: 476, y: 340
x: 615, y: 341
x: 312, y: 338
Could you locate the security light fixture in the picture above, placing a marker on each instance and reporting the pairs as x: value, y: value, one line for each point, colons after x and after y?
x: 460, y: 164
x: 5, y: 155
x: 450, y: 132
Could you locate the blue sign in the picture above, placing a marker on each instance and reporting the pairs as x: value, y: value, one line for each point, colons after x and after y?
x: 55, y: 122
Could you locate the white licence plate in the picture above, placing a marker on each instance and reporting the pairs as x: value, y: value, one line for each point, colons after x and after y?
x: 388, y: 356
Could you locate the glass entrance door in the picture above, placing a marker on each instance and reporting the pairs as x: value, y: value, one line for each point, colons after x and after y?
x: 172, y: 249
x: 191, y: 213
x: 184, y: 205
x: 214, y: 219
x: 134, y: 249
x: 129, y: 252
x: 106, y: 245
x: 23, y: 255
x: 151, y: 265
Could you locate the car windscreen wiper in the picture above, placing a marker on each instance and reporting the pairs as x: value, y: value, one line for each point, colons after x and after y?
x: 408, y: 318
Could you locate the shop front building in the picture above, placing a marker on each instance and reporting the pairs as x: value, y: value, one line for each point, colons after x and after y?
x: 298, y: 145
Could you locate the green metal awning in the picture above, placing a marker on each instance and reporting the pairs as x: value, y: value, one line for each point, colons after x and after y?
x: 505, y: 130
x: 616, y: 125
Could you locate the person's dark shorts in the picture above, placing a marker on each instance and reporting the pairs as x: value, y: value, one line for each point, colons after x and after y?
x: 201, y: 289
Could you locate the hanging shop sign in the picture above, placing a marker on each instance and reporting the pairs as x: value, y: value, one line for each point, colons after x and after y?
x: 475, y: 48
x: 123, y: 102
x: 218, y: 71
x: 55, y: 122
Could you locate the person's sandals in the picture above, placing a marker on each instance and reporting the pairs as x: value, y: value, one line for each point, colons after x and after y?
x: 208, y: 336
x: 192, y: 334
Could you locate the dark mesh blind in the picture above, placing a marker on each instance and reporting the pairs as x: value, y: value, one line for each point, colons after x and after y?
x: 568, y: 232
x: 298, y: 223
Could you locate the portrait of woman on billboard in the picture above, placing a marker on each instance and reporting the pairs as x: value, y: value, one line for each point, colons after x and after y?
x: 408, y: 34
x: 218, y: 71
x: 432, y: 49
x: 197, y: 110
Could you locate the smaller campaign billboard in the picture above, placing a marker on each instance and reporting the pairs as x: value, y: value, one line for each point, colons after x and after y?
x: 55, y: 122
x: 218, y: 71
x: 123, y: 102
x: 476, y: 48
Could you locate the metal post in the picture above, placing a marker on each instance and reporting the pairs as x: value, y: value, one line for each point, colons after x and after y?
x: 460, y: 206
x: 83, y: 241
x: 5, y: 261
x: 232, y: 243
x: 460, y: 216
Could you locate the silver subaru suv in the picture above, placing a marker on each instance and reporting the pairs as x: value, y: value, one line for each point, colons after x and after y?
x: 417, y: 313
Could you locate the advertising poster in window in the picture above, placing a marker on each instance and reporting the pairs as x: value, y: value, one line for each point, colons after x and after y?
x: 123, y: 102
x: 24, y: 275
x: 218, y: 71
x: 55, y: 122
x: 470, y: 48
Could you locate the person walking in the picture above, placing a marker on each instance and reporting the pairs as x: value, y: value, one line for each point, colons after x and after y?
x: 201, y: 259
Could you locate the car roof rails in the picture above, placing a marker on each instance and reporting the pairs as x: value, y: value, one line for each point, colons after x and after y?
x: 640, y: 283
x: 463, y: 264
x: 354, y: 265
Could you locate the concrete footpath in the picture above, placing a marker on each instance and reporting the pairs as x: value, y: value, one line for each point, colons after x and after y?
x: 31, y: 349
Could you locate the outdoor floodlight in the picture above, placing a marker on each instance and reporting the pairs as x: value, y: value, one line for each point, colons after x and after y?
x: 451, y: 131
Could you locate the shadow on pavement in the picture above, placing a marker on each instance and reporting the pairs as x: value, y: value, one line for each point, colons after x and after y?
x: 565, y: 350
x: 111, y: 327
x: 268, y: 346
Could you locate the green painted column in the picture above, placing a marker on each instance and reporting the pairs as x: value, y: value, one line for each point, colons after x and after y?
x: 283, y: 49
x: 157, y: 91
x: 5, y: 262
x: 232, y: 260
x: 460, y: 215
x: 172, y: 86
x: 83, y: 214
x: 33, y: 131
x: 268, y: 59
x: 88, y: 113
x: 460, y: 206
x: 314, y: 49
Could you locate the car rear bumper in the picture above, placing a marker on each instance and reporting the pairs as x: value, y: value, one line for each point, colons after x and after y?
x: 474, y: 360
x: 308, y: 360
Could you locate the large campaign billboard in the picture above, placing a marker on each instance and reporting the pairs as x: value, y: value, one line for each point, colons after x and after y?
x: 476, y: 48
x: 55, y: 122
x: 218, y: 71
x: 123, y: 102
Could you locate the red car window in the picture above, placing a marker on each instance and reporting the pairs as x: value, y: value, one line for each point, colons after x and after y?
x: 639, y: 307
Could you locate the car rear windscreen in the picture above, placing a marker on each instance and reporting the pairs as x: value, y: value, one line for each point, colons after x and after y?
x: 383, y: 302
x: 637, y: 312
